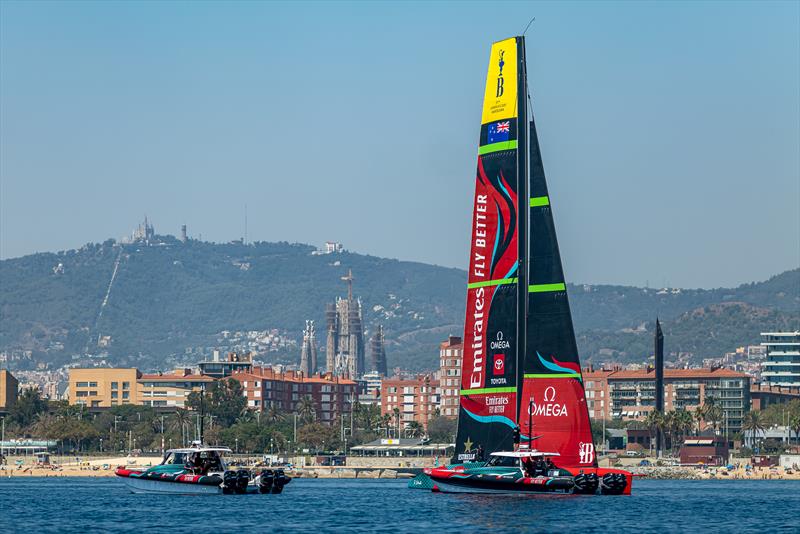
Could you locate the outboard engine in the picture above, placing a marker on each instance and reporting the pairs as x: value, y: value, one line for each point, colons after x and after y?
x: 242, y: 480
x: 265, y: 481
x: 229, y: 482
x: 613, y: 484
x: 279, y: 481
x: 586, y: 484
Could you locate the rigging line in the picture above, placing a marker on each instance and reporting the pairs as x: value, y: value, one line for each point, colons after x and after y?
x: 528, y: 26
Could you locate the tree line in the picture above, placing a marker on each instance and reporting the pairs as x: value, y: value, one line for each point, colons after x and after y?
x: 220, y: 414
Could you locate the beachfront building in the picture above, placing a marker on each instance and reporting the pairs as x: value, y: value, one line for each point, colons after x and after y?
x: 103, y: 387
x: 410, y: 399
x: 108, y: 387
x: 170, y: 390
x: 630, y: 395
x: 451, y: 352
x: 265, y: 388
x: 8, y: 390
x: 782, y: 366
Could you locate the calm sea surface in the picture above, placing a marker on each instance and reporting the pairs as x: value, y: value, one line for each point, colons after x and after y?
x: 105, y: 505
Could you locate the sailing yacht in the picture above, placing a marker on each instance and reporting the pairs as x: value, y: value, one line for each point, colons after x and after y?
x: 523, y: 423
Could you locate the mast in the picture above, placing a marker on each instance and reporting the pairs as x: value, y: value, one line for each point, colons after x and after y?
x: 659, y: 365
x: 522, y: 220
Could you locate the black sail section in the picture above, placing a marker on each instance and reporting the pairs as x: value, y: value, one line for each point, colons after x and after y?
x: 552, y: 388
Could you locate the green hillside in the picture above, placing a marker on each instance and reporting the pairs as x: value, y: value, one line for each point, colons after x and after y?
x: 170, y: 301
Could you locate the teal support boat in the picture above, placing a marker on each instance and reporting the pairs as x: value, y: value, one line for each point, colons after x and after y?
x: 200, y: 470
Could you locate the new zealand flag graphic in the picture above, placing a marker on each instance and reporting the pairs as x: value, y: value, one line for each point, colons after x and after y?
x: 498, y: 132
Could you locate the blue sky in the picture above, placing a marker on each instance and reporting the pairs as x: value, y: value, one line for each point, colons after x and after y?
x: 670, y: 131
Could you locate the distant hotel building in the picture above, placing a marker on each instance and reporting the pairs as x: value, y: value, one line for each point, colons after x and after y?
x: 451, y: 352
x: 415, y: 399
x: 782, y: 367
x: 630, y: 395
x: 264, y: 388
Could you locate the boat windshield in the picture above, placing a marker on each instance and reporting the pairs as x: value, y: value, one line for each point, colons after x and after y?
x: 502, y: 461
x: 173, y: 458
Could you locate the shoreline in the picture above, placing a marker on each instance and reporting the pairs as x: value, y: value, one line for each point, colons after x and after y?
x: 343, y: 472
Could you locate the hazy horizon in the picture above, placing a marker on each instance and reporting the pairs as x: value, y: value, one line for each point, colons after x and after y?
x: 670, y: 132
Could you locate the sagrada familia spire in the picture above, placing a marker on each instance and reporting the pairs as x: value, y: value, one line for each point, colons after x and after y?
x: 344, y: 350
x: 378, y: 352
x: 308, y: 352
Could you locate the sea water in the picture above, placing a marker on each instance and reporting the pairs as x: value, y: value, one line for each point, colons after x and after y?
x: 307, y: 505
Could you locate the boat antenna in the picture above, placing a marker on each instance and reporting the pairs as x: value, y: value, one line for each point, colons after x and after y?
x: 528, y: 26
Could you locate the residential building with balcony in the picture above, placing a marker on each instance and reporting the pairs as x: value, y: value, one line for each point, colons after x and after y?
x: 782, y: 366
x: 451, y: 353
x: 266, y: 388
x: 415, y: 399
x: 108, y: 387
x: 170, y: 390
x: 630, y: 395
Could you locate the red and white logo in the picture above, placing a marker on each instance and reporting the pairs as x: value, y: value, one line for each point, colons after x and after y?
x: 586, y: 452
x: 499, y: 364
x: 549, y: 407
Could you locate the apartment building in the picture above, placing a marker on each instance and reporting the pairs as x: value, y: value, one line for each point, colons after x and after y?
x: 170, y: 390
x: 285, y: 391
x: 109, y: 387
x: 415, y: 399
x: 630, y: 395
x: 782, y: 366
x: 451, y: 352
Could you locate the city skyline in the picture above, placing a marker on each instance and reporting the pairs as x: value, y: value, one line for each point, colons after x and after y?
x: 659, y: 126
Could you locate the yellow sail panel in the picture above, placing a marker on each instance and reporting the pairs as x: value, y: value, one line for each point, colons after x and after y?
x: 500, y: 99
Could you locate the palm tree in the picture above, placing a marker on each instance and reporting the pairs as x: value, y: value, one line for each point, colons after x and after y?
x: 306, y: 409
x: 414, y: 429
x: 713, y: 412
x: 653, y: 423
x: 396, y: 412
x: 700, y: 416
x: 668, y: 429
x: 386, y: 419
x: 684, y: 423
x: 753, y: 421
x: 794, y: 424
x: 182, y: 419
x: 273, y: 415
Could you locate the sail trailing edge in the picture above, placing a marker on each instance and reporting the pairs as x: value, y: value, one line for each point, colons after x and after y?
x: 552, y: 386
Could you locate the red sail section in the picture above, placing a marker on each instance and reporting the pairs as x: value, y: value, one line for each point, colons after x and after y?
x: 560, y: 420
